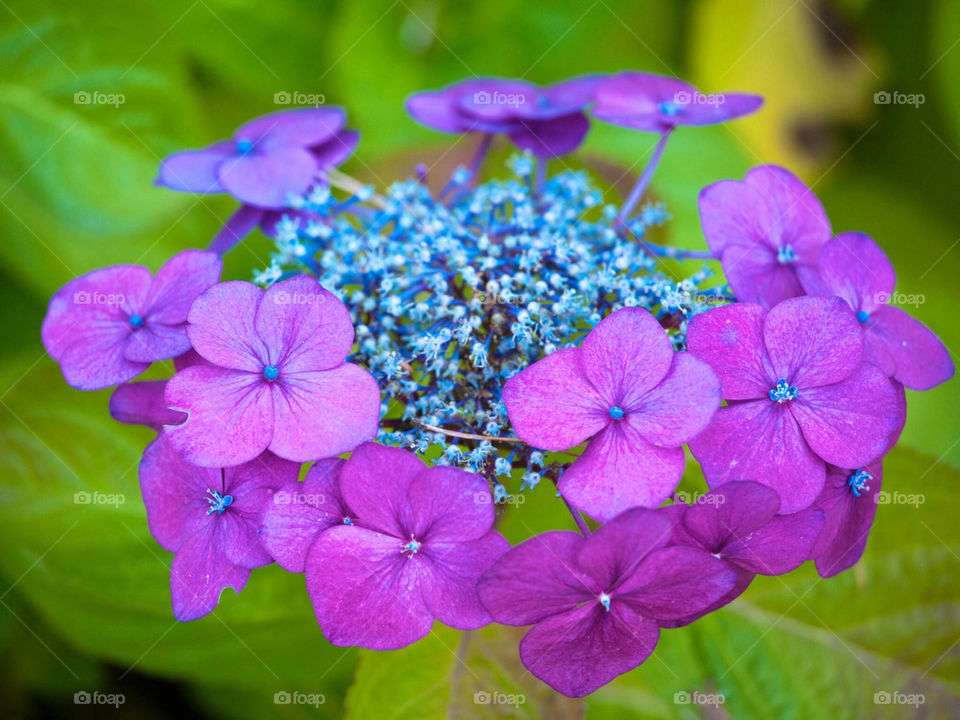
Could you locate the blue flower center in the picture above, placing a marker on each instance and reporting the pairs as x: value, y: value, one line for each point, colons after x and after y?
x: 783, y: 391
x: 411, y: 548
x: 136, y: 321
x: 668, y: 108
x: 271, y: 372
x: 863, y: 316
x: 785, y: 254
x: 605, y: 601
x: 218, y: 502
x: 858, y: 482
x: 244, y: 146
x: 616, y: 412
x: 347, y: 521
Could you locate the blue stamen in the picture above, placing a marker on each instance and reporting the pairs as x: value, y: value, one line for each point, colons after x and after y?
x: 858, y: 482
x: 668, y: 108
x: 783, y: 391
x: 244, y: 146
x: 785, y: 254
x: 271, y: 372
x: 218, y: 502
x: 616, y: 412
x: 863, y: 316
x: 136, y: 321
x: 411, y: 547
x: 605, y: 601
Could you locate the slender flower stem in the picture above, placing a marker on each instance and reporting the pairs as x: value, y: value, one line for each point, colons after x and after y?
x: 541, y: 172
x: 666, y: 251
x: 645, y: 178
x: 466, y: 436
x: 574, y: 513
x: 478, y: 157
x: 343, y: 181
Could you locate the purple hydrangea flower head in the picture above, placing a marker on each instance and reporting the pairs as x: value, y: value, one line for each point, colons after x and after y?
x: 853, y: 266
x: 657, y: 103
x: 208, y: 517
x: 849, y: 502
x: 276, y: 377
x: 767, y: 232
x: 596, y: 603
x: 631, y: 396
x: 738, y: 523
x: 300, y: 511
x: 267, y: 161
x: 546, y: 121
x: 107, y: 326
x: 421, y: 539
x: 799, y: 396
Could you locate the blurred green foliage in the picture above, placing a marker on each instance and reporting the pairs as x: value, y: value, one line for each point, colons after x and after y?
x: 84, y: 588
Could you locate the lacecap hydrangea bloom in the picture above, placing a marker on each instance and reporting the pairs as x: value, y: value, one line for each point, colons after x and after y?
x: 438, y: 346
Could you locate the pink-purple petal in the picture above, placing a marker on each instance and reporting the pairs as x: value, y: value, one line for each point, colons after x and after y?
x: 853, y: 266
x: 616, y: 548
x: 269, y: 178
x: 375, y: 483
x: 143, y: 403
x: 551, y: 137
x: 200, y: 573
x: 195, y: 171
x: 730, y: 340
x: 920, y: 358
x: 734, y: 509
x: 298, y: 127
x: 222, y: 326
x: 780, y: 546
x: 449, y: 505
x: 178, y: 283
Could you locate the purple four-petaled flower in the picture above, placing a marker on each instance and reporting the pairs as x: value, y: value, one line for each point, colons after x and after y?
x: 208, y: 517
x: 799, y: 396
x: 595, y: 603
x: 853, y: 266
x: 767, y: 232
x: 107, y: 326
x: 421, y: 539
x: 275, y: 377
x: 631, y: 396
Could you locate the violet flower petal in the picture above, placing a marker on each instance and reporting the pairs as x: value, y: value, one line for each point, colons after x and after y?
x: 298, y: 127
x: 269, y: 179
x: 143, y: 403
x: 222, y: 326
x: 196, y: 171
x: 375, y: 482
x: 922, y: 360
x: 178, y: 283
x: 200, y: 573
x: 449, y: 505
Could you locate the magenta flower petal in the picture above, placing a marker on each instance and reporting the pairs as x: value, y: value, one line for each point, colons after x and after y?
x: 99, y: 361
x: 552, y: 137
x: 755, y: 275
x: 306, y: 323
x: 321, y: 414
x: 679, y: 407
x: 364, y: 591
x: 300, y: 511
x: 178, y: 283
x: 849, y: 501
x: 626, y: 355
x: 269, y: 179
x: 617, y: 547
x: 812, y: 341
x: 799, y: 217
x: 298, y: 127
x: 619, y: 469
x: 375, y: 483
x: 851, y: 422
x: 195, y: 170
x: 586, y: 647
x: 761, y: 441
x: 143, y: 403
x: 336, y: 150
x: 552, y: 405
x: 222, y: 326
x: 922, y: 360
x: 449, y: 585
x: 780, y: 546
x: 448, y: 504
x: 200, y: 573
x: 156, y: 340
x: 435, y: 110
x: 230, y: 415
x: 853, y: 266
x: 730, y: 339
x: 536, y: 579
x: 731, y: 510
x: 174, y: 494
x: 674, y: 582
x: 565, y: 96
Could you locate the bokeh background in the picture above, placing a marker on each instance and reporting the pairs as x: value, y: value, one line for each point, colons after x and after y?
x: 84, y: 604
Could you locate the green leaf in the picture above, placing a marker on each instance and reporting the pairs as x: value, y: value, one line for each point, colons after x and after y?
x: 473, y: 674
